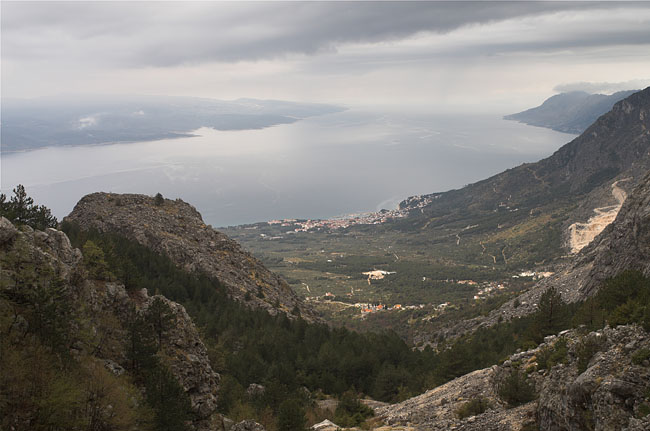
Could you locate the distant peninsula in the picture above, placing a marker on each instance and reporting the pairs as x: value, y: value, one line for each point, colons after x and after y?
x: 29, y: 124
x: 570, y: 112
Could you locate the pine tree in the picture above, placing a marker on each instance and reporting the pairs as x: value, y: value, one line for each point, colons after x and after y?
x: 161, y: 318
x: 291, y: 416
x: 551, y: 316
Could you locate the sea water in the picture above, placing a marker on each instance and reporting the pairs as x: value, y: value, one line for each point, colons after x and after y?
x: 353, y: 161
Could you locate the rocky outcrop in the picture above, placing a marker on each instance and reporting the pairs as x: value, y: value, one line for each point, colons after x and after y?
x: 176, y: 229
x: 610, y: 392
x: 102, y: 310
x: 608, y: 395
x: 247, y: 425
x: 183, y: 351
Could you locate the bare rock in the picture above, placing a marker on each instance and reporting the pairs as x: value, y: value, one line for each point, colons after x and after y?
x: 7, y: 231
x: 255, y: 390
x: 606, y: 396
x: 247, y: 425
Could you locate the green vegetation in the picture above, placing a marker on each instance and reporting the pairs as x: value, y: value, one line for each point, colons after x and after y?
x: 250, y: 346
x: 643, y: 410
x: 472, y: 408
x: 587, y: 348
x: 350, y: 412
x: 20, y: 210
x: 640, y: 355
x: 159, y: 200
x: 548, y: 357
x: 515, y: 389
x: 43, y: 386
x: 285, y: 355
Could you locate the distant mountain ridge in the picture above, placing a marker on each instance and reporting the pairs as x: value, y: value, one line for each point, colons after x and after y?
x: 570, y: 112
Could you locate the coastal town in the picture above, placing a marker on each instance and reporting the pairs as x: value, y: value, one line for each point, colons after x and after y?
x: 343, y: 222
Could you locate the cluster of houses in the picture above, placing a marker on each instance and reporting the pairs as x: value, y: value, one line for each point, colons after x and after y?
x: 343, y: 222
x: 488, y: 290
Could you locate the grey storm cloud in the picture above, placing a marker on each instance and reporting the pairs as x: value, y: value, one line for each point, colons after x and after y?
x: 170, y: 33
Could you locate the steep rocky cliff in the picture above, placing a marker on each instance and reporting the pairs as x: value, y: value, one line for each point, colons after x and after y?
x: 42, y: 268
x: 599, y: 381
x: 175, y: 228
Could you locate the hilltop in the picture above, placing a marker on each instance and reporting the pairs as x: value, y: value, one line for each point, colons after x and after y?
x: 176, y: 229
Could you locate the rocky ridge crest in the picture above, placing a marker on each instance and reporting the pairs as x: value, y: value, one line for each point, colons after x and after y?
x: 176, y: 229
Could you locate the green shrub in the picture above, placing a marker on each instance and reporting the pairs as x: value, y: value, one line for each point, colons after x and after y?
x: 586, y: 349
x: 350, y: 411
x: 643, y: 411
x: 473, y: 408
x: 548, y: 357
x: 515, y: 389
x: 640, y: 355
x: 94, y: 260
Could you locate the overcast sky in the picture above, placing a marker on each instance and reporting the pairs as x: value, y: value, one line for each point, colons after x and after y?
x: 462, y: 55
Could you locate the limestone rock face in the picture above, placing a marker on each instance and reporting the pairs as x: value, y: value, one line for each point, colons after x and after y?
x: 247, y: 425
x: 606, y: 396
x: 104, y: 308
x: 176, y: 229
x: 187, y: 358
x: 7, y: 231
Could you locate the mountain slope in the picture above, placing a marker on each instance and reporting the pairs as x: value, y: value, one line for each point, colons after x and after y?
x: 623, y: 245
x: 176, y: 229
x: 569, y: 112
x: 616, y: 146
x: 580, y: 380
